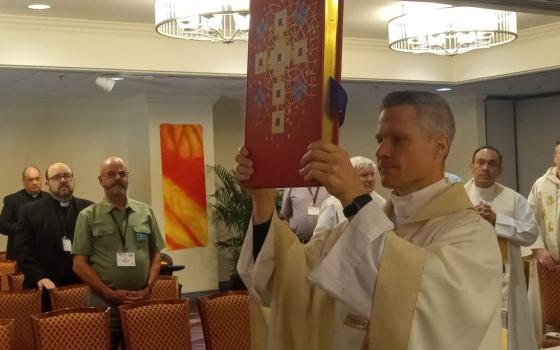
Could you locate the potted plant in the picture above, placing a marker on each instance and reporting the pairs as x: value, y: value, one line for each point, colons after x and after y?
x: 232, y: 208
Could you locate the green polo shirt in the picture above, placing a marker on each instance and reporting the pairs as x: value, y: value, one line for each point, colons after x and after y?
x: 97, y: 236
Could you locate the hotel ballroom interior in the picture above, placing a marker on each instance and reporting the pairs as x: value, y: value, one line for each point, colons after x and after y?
x: 85, y: 80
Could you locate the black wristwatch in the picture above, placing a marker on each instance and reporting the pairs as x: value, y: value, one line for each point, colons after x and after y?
x: 357, y: 204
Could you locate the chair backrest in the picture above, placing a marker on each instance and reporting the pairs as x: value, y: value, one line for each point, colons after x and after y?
x: 15, y: 281
x: 19, y: 305
x: 6, y: 334
x: 72, y: 329
x: 549, y: 281
x: 166, y: 287
x: 225, y: 320
x: 70, y: 296
x: 156, y: 324
x: 6, y: 267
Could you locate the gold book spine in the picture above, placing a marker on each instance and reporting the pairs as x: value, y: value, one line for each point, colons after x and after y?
x: 330, y: 55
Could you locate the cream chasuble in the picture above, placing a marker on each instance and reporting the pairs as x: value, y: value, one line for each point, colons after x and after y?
x: 515, y: 222
x: 434, y: 282
x: 543, y: 197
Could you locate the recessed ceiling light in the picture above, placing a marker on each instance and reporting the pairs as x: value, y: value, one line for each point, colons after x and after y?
x: 444, y: 89
x: 38, y: 7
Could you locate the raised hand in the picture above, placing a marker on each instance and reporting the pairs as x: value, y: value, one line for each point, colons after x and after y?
x: 330, y: 165
x: 263, y: 198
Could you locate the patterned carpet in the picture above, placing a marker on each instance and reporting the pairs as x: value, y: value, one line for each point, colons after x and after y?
x: 197, y: 338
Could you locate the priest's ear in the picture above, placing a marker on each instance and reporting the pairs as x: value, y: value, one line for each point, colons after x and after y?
x: 441, y: 146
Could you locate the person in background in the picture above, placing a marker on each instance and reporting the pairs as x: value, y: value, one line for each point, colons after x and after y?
x: 452, y: 178
x: 544, y: 197
x: 117, y: 247
x: 300, y: 207
x: 514, y: 222
x: 31, y: 181
x: 45, y: 233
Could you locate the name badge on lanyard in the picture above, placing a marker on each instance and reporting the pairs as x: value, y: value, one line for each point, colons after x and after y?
x: 313, y: 211
x: 66, y: 244
x: 126, y: 259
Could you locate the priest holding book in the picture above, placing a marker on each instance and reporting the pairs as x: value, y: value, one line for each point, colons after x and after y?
x: 425, y: 273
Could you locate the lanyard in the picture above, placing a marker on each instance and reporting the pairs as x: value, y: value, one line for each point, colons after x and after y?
x: 121, y: 233
x: 64, y: 222
x: 314, y: 195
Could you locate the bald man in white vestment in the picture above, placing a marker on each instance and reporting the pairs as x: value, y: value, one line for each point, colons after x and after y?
x: 515, y: 225
x: 423, y: 274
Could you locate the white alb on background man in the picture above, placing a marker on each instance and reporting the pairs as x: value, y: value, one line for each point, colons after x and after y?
x: 424, y: 274
x: 514, y: 222
x: 544, y: 197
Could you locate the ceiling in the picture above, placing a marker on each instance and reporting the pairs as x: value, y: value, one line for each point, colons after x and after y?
x: 76, y: 86
x: 363, y: 19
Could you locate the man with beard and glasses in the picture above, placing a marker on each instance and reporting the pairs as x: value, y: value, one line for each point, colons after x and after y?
x: 117, y: 246
x: 31, y: 191
x: 45, y: 233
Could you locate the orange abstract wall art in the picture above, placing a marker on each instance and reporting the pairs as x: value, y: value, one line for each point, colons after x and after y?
x: 184, y: 186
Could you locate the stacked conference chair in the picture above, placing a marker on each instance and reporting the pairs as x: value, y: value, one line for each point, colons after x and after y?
x: 72, y: 329
x: 19, y: 306
x: 15, y: 281
x: 72, y: 296
x: 7, y: 267
x: 156, y: 324
x: 225, y: 320
x: 166, y: 287
x: 6, y: 334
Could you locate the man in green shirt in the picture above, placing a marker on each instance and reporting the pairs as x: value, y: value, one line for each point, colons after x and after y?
x: 117, y: 246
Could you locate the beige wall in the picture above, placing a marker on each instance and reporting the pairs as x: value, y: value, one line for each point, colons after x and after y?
x: 228, y: 136
x: 75, y: 44
x: 83, y: 134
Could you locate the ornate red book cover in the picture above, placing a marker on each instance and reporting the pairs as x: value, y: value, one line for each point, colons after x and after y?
x: 287, y: 79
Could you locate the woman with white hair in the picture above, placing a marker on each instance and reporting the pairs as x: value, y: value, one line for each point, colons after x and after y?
x: 331, y: 213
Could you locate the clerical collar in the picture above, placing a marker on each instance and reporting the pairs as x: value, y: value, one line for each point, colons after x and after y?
x: 64, y: 204
x: 405, y: 206
x: 33, y: 195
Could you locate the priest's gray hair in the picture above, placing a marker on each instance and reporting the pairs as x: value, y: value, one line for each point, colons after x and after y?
x: 362, y: 163
x: 434, y: 112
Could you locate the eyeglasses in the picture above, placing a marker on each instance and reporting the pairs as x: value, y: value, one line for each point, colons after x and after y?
x: 59, y: 177
x: 114, y: 173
